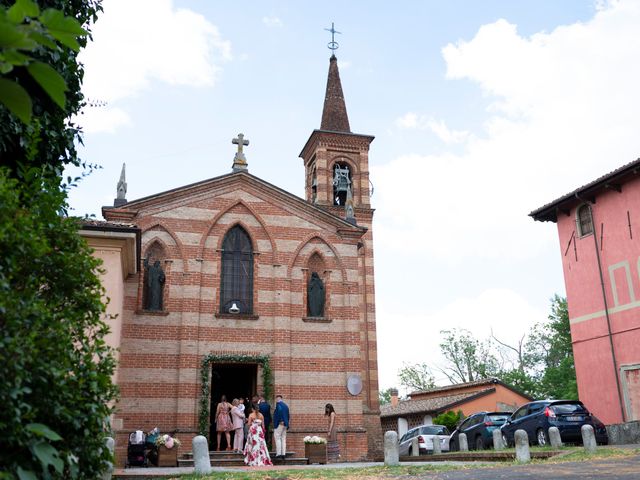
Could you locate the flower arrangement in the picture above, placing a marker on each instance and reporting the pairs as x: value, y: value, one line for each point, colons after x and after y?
x: 167, y: 441
x: 314, y: 439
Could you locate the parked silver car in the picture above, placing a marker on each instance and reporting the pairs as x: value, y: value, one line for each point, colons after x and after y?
x: 426, y: 435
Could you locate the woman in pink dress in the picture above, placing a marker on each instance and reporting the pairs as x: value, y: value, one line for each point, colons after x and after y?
x: 223, y: 421
x: 255, y: 450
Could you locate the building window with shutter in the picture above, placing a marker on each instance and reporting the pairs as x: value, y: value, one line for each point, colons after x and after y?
x: 236, y: 284
x: 585, y: 221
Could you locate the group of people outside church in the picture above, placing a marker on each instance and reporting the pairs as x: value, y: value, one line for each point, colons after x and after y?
x: 250, y: 432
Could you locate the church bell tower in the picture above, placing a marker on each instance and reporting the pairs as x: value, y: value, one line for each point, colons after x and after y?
x: 336, y: 161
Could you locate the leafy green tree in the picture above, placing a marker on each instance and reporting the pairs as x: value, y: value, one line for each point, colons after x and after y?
x: 384, y: 396
x: 416, y: 377
x: 449, y: 419
x: 57, y: 392
x: 552, y: 341
x: 468, y: 358
x: 38, y: 65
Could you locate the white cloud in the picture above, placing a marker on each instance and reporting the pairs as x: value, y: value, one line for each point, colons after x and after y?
x: 411, y: 120
x: 142, y: 41
x: 272, y: 21
x: 563, y: 112
x: 502, y: 311
x: 103, y: 119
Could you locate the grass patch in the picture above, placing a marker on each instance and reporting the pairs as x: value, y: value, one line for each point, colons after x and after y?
x: 577, y: 454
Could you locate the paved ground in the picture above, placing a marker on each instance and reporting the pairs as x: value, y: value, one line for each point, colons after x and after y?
x: 611, y: 469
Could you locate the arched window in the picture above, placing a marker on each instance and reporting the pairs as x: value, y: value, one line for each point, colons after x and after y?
x: 236, y: 284
x: 585, y: 221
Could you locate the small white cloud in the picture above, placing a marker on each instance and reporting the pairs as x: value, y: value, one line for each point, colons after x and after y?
x: 412, y: 120
x: 102, y: 119
x: 272, y: 21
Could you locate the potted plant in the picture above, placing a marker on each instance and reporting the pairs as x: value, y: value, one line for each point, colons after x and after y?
x: 315, y: 449
x: 167, y: 450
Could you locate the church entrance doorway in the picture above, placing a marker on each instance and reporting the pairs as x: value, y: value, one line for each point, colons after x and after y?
x: 233, y: 380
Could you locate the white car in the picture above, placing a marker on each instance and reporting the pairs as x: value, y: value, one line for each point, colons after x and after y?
x: 426, y: 434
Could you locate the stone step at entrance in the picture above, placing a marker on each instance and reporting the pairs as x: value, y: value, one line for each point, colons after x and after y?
x: 231, y: 459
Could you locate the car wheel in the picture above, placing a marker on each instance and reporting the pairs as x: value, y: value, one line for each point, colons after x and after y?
x: 479, y: 443
x: 453, y: 446
x: 543, y: 437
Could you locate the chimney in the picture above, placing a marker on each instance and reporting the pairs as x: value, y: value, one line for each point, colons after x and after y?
x: 394, y: 397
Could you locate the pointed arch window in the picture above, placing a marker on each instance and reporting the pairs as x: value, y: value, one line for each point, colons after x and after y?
x: 341, y: 182
x: 236, y: 284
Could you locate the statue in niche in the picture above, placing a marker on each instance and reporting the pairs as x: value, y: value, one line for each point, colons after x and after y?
x: 154, y: 279
x: 315, y: 296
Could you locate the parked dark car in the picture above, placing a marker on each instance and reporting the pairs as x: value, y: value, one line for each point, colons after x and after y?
x: 569, y: 416
x: 479, y: 429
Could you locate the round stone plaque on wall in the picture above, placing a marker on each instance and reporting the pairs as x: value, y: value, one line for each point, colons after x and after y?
x: 354, y: 384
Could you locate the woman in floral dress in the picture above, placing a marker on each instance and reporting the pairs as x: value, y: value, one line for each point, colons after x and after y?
x: 255, y: 450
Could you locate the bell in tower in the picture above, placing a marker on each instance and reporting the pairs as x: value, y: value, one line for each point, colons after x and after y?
x: 341, y: 184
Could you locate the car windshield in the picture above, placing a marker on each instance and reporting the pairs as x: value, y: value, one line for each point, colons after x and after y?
x: 561, y: 408
x: 434, y: 430
x: 498, y: 418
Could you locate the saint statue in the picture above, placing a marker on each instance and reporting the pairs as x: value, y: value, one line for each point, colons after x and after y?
x: 154, y: 279
x: 315, y: 296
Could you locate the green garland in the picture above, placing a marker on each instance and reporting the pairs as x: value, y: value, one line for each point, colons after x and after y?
x: 267, y: 383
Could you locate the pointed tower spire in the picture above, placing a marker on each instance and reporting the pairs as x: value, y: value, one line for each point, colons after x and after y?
x: 121, y: 195
x: 334, y: 113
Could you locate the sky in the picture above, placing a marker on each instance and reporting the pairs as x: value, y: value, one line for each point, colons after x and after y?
x: 482, y: 112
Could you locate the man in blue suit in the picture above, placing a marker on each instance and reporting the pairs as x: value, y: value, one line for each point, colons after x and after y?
x: 281, y: 425
x: 265, y: 410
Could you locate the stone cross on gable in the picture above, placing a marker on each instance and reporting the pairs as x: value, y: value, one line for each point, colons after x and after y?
x: 239, y: 161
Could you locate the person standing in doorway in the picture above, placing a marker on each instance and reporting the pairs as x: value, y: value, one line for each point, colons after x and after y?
x: 265, y: 410
x: 333, y: 449
x: 281, y: 425
x: 223, y: 421
x: 238, y: 419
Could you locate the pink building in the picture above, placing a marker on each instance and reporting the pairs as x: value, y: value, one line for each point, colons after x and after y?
x: 599, y: 230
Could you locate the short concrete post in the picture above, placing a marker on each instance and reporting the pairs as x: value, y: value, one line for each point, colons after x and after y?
x: 522, y: 447
x: 201, y: 460
x: 554, y: 437
x: 437, y: 448
x: 588, y: 439
x: 108, y: 472
x: 462, y: 440
x: 498, y: 444
x: 391, y: 455
x: 415, y: 447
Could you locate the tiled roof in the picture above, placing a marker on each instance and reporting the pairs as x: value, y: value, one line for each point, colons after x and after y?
x: 430, y: 405
x: 548, y: 212
x: 90, y: 222
x: 334, y: 113
x: 457, y: 386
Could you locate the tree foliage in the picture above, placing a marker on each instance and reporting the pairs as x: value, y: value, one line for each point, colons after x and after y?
x: 38, y: 57
x: 416, y: 377
x: 467, y: 358
x: 449, y: 419
x: 384, y: 396
x: 57, y: 389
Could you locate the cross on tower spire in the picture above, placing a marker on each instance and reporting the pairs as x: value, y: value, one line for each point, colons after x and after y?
x: 239, y: 161
x: 333, y: 45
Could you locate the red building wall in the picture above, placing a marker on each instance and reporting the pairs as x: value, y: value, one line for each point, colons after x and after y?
x: 597, y: 286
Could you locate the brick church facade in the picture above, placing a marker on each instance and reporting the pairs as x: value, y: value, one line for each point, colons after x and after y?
x: 232, y: 258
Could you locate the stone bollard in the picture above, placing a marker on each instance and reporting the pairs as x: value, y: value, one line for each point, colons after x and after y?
x: 415, y: 447
x: 498, y: 444
x: 522, y: 447
x: 108, y: 472
x: 588, y: 439
x: 554, y: 437
x: 201, y: 460
x: 391, y: 456
x: 462, y: 441
x: 437, y: 448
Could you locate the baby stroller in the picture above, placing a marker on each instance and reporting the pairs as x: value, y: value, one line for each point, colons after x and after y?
x: 137, y: 450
